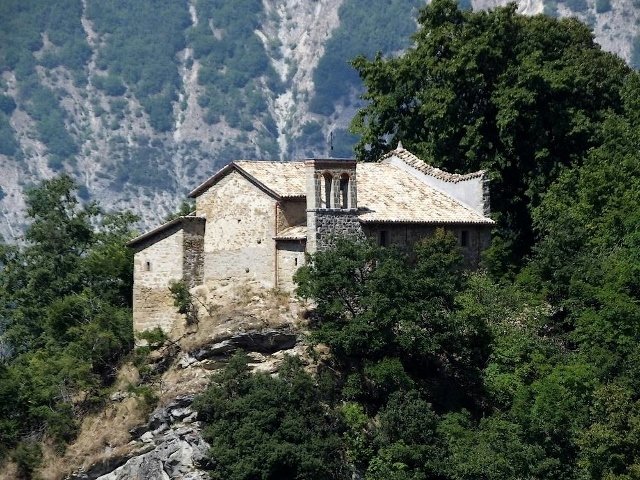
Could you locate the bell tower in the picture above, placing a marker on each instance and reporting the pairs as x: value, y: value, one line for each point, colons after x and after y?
x: 332, y: 201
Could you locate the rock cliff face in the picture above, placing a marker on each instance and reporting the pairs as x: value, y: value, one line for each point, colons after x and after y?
x: 139, y: 101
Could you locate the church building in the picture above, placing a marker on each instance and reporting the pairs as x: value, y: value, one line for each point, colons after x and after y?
x: 255, y: 220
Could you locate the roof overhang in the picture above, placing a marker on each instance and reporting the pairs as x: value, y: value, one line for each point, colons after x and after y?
x: 487, y: 222
x: 223, y: 172
x: 176, y: 223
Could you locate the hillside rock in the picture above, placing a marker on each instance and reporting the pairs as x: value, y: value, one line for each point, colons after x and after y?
x: 170, y: 445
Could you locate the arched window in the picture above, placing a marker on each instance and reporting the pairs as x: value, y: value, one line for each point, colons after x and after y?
x: 328, y: 182
x: 344, y: 191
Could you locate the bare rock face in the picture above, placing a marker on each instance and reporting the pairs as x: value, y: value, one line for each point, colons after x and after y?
x: 169, y: 446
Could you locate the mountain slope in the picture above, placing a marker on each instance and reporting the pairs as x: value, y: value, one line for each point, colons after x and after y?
x: 139, y: 101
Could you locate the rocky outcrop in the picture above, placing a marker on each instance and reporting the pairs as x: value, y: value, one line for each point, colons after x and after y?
x: 265, y: 342
x: 168, y: 446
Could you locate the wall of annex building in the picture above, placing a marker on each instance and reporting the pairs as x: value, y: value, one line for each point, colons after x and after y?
x: 290, y: 256
x: 238, y: 239
x: 292, y: 212
x: 472, y: 239
x: 473, y: 192
x: 154, y: 268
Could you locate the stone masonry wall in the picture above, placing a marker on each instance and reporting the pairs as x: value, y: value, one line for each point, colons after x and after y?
x: 332, y: 224
x: 290, y: 258
x: 238, y: 239
x: 154, y: 268
x: 193, y: 261
x: 406, y: 235
x: 292, y: 212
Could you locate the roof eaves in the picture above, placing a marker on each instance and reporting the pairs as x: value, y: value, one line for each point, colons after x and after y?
x: 165, y: 226
x: 211, y: 180
x: 223, y: 172
x: 485, y: 221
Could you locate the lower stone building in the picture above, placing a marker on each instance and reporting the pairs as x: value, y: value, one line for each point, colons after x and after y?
x: 255, y: 220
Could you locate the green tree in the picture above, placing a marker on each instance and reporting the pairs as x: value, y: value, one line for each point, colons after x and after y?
x: 390, y: 318
x: 267, y: 427
x: 522, y: 97
x: 65, y: 318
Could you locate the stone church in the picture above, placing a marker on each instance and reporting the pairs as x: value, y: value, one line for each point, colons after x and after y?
x: 255, y: 220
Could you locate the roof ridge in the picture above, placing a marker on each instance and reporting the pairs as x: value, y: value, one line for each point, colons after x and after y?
x: 416, y: 162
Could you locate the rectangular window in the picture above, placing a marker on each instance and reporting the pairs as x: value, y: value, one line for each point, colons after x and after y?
x: 383, y: 238
x: 344, y: 192
x: 464, y: 238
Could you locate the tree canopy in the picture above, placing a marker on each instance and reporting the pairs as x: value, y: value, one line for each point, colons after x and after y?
x: 65, y: 313
x: 522, y: 97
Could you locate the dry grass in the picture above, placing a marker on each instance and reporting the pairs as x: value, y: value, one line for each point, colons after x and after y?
x: 248, y: 306
x: 9, y: 471
x: 101, y: 435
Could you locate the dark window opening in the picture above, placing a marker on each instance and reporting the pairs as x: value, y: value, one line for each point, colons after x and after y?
x: 464, y: 238
x: 344, y: 191
x: 295, y: 261
x: 148, y: 266
x: 383, y: 238
x: 327, y: 190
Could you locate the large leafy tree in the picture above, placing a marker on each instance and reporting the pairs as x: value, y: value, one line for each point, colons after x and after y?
x: 522, y: 97
x: 391, y: 320
x: 267, y: 427
x: 65, y: 317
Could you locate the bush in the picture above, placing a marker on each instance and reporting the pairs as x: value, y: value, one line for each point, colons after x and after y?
x: 110, y: 84
x: 7, y: 104
x: 28, y: 456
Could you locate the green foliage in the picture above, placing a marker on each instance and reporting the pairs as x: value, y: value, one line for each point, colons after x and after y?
x: 603, y: 6
x: 65, y: 313
x: 145, y: 164
x: 28, y: 456
x: 389, y: 318
x: 143, y: 39
x: 522, y: 97
x: 154, y: 337
x: 110, y: 84
x: 8, y: 143
x: 365, y: 29
x: 22, y: 27
x: 187, y: 207
x: 577, y: 5
x: 183, y: 300
x: 234, y: 63
x: 267, y: 427
x: 7, y: 104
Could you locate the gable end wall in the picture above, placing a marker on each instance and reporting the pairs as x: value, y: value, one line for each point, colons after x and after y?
x: 238, y: 239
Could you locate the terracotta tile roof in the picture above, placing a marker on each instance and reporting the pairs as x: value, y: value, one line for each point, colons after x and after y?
x: 388, y: 194
x: 299, y: 232
x: 410, y: 159
x: 287, y: 179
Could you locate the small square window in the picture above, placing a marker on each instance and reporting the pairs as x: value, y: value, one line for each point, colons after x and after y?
x: 383, y: 238
x: 464, y: 238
